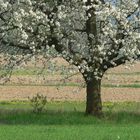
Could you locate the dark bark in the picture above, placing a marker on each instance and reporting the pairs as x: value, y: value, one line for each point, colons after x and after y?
x: 93, y: 102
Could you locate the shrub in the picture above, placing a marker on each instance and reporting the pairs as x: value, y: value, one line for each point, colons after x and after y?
x: 38, y: 102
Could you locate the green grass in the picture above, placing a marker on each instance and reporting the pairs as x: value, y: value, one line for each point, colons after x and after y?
x: 27, y: 71
x: 66, y: 121
x: 122, y: 86
x: 35, y: 71
x: 72, y: 84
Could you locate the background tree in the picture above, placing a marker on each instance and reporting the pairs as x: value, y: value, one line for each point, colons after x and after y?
x: 93, y: 35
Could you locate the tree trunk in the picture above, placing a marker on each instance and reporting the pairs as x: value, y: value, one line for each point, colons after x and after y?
x: 94, y: 103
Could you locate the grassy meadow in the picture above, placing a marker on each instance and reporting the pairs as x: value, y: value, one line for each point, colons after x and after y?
x: 63, y: 120
x: 66, y: 121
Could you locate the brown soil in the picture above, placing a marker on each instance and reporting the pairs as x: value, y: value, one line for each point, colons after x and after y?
x: 75, y: 93
x: 67, y: 93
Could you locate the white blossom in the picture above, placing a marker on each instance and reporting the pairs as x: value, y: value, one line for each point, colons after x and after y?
x: 112, y: 34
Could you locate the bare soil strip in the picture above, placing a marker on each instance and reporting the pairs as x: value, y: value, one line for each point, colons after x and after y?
x: 75, y: 93
x: 67, y: 93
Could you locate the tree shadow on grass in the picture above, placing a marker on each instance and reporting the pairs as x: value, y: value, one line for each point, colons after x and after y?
x: 51, y: 117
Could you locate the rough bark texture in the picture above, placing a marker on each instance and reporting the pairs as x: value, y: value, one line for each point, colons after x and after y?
x: 94, y: 103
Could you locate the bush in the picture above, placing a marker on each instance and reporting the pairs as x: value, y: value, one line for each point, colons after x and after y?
x: 38, y: 102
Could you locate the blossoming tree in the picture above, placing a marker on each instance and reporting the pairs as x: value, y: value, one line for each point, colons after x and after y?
x: 94, y: 35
